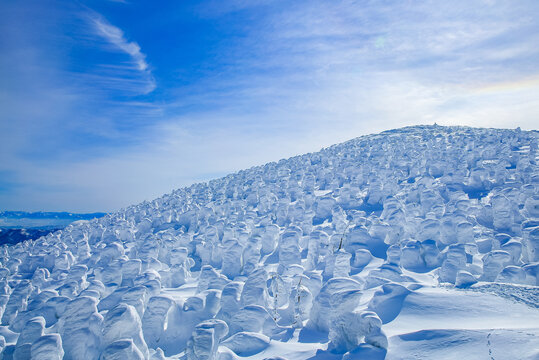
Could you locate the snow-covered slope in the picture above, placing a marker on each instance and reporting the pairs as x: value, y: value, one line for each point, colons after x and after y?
x: 417, y: 243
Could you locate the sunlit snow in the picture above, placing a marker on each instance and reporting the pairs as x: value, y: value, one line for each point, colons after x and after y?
x: 417, y: 243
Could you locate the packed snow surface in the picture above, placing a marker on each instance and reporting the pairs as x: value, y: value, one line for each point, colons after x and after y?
x: 418, y: 243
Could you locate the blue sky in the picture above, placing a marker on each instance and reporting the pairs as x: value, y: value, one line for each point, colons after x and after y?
x: 107, y: 103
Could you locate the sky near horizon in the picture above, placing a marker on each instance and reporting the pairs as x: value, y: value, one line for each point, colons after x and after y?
x: 104, y: 104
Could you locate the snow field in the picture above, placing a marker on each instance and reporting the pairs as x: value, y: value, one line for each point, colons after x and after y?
x: 419, y: 243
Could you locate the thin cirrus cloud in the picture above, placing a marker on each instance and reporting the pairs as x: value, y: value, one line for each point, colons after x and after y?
x: 166, y: 96
x: 115, y: 37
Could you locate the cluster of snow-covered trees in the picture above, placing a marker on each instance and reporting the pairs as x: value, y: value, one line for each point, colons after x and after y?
x: 327, y: 241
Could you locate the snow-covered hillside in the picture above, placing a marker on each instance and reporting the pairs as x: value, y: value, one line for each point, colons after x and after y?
x: 417, y: 243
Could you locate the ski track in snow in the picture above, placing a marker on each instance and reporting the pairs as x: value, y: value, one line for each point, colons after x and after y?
x: 416, y: 243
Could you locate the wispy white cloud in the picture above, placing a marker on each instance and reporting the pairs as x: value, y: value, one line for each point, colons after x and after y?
x: 116, y: 37
x: 63, y: 98
x: 378, y: 52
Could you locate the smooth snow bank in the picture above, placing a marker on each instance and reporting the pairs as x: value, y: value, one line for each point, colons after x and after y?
x: 446, y: 308
x: 466, y: 344
x: 445, y: 323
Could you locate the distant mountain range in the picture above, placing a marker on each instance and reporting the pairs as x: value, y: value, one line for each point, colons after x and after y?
x: 17, y: 226
x: 49, y: 215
